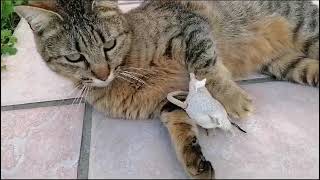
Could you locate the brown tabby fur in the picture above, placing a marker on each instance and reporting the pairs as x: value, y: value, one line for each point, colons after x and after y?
x: 278, y: 45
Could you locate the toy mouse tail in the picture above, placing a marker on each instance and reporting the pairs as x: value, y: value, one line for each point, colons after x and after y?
x: 237, y: 126
x: 175, y: 101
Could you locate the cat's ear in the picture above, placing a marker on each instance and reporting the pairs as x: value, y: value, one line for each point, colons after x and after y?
x: 37, y: 18
x: 44, y: 4
x: 200, y: 84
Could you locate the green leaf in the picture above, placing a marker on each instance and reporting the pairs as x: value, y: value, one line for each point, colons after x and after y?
x: 19, y: 2
x: 6, y: 33
x: 9, y: 20
x: 6, y: 8
x: 8, y: 50
x: 12, y: 40
x: 3, y: 67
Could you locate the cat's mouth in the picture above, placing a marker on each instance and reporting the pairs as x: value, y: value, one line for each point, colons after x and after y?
x: 132, y: 75
x: 95, y: 82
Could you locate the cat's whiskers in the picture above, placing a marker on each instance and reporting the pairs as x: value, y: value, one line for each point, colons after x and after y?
x: 83, y: 96
x: 124, y: 78
x: 78, y: 96
x: 127, y: 74
x: 67, y: 96
x: 149, y: 86
x: 131, y: 76
x: 73, y: 90
x: 56, y: 113
x: 138, y: 74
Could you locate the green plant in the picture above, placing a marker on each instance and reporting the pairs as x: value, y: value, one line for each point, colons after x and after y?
x: 9, y: 21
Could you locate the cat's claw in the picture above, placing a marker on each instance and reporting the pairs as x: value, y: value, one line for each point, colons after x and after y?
x: 238, y: 104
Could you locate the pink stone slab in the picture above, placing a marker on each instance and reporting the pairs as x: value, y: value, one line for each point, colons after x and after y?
x: 131, y: 149
x: 41, y: 143
x: 27, y: 78
x: 282, y: 141
x: 125, y: 6
x: 252, y: 76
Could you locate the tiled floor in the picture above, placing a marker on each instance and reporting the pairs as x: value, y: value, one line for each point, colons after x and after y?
x: 280, y: 142
x: 43, y: 136
x: 22, y: 83
x: 41, y: 142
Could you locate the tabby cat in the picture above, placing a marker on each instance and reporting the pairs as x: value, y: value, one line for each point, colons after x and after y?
x: 131, y: 61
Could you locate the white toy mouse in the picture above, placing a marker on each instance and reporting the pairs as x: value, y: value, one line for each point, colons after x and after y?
x: 202, y: 107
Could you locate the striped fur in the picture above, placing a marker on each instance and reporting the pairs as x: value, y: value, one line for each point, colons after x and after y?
x: 132, y: 60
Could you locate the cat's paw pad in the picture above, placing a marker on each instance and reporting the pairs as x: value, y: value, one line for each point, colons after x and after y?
x: 238, y: 104
x: 196, y: 164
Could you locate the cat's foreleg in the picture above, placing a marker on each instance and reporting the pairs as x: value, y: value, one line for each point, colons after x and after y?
x: 236, y: 101
x: 184, y: 136
x: 202, y: 59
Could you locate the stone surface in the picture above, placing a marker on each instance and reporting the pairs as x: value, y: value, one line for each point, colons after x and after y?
x: 131, y: 149
x: 125, y: 6
x: 282, y: 141
x: 252, y: 76
x: 41, y: 142
x: 27, y: 78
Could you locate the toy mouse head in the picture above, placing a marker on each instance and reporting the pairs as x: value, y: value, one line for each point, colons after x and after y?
x: 195, y: 84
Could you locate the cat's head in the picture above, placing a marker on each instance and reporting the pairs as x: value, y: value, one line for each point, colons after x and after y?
x: 195, y: 84
x: 84, y: 40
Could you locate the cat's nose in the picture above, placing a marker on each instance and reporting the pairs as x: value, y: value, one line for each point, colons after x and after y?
x: 101, y: 71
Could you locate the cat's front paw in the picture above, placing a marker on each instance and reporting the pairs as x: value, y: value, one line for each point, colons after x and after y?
x: 238, y: 103
x: 196, y: 164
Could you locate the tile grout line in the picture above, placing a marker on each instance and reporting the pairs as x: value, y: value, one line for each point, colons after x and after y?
x: 69, y: 101
x: 256, y: 81
x: 39, y: 104
x: 84, y: 158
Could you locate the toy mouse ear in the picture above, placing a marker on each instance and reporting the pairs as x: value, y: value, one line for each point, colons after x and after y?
x: 203, y: 82
x: 192, y: 76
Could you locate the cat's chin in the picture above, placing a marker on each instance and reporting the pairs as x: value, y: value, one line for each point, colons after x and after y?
x: 99, y: 83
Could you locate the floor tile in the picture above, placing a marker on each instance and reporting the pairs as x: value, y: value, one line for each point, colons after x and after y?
x: 41, y: 142
x: 252, y: 76
x: 282, y: 141
x: 125, y: 6
x: 27, y: 78
x: 131, y: 149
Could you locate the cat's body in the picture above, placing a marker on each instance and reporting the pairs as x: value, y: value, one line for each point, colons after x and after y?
x: 132, y: 61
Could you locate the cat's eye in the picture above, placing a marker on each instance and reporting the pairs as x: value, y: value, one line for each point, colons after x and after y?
x: 74, y: 58
x: 109, y: 45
